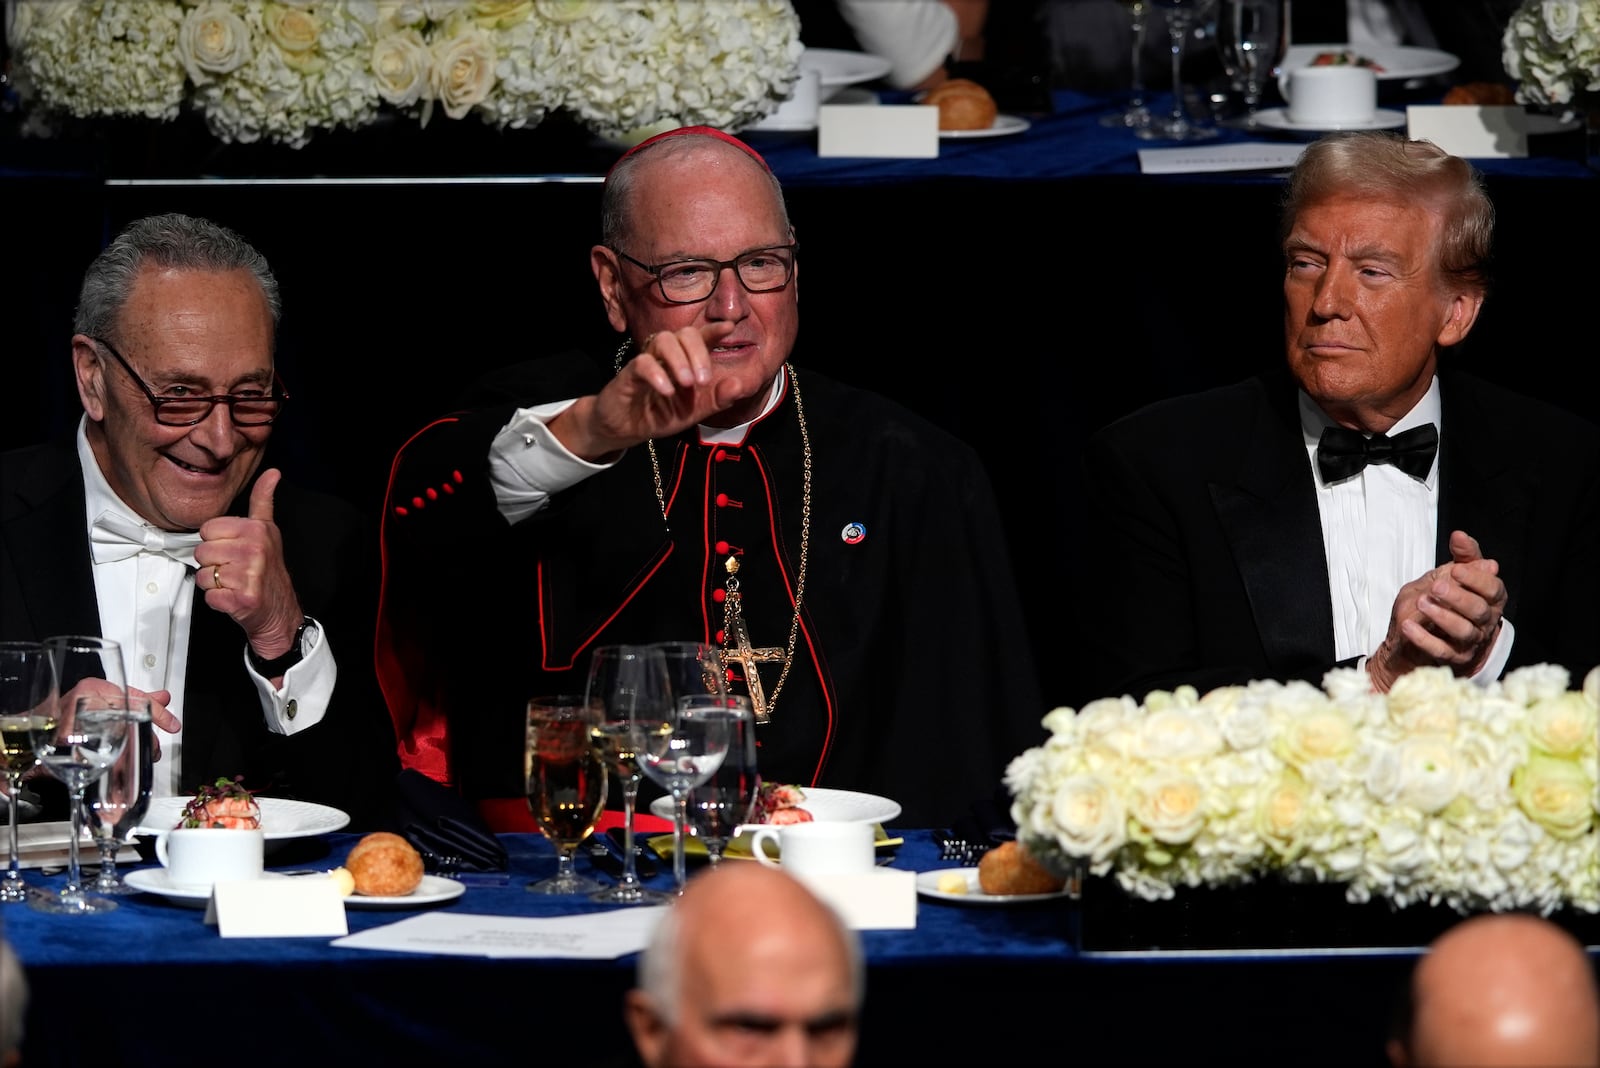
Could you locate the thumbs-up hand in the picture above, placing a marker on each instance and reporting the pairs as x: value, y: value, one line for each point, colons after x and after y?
x: 242, y: 572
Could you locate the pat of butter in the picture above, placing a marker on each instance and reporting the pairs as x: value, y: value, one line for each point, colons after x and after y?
x: 953, y: 882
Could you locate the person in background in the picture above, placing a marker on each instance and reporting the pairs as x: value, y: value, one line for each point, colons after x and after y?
x: 747, y: 968
x: 846, y: 554
x: 918, y: 37
x: 13, y: 1006
x: 1509, y: 990
x: 1367, y: 505
x: 230, y: 591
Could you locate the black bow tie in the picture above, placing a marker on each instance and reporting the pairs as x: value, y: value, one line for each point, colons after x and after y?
x: 1342, y: 452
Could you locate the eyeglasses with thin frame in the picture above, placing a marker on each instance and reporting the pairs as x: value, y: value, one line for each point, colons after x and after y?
x: 761, y: 270
x: 244, y: 409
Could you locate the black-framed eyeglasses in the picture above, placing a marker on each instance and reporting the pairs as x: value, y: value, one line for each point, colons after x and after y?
x: 761, y: 270
x: 245, y: 409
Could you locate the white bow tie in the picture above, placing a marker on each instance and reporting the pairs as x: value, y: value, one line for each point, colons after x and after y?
x: 115, y: 537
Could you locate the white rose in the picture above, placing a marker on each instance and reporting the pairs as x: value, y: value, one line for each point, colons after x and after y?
x: 1089, y: 818
x: 1429, y: 773
x: 400, y: 68
x: 1283, y: 815
x: 463, y: 71
x: 1591, y: 687
x: 213, y: 40
x: 1168, y: 804
x: 1528, y: 685
x: 1563, y: 725
x: 1322, y: 734
x: 1557, y: 795
x: 500, y: 14
x: 1177, y: 734
x: 1560, y: 19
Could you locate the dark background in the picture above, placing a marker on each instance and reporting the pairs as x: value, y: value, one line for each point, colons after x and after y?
x: 1019, y: 314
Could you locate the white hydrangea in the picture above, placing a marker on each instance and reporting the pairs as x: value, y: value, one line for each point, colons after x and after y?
x: 283, y: 70
x: 1552, y: 49
x: 1441, y: 792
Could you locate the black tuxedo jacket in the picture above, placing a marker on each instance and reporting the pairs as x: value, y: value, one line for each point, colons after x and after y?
x: 348, y: 760
x: 1208, y: 562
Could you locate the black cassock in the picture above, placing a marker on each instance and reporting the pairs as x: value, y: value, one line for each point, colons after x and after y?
x: 912, y: 673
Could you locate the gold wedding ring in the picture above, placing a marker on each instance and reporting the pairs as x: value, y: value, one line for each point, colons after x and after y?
x: 216, y: 576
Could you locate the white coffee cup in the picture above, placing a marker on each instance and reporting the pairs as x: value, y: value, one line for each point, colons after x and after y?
x: 821, y: 847
x: 197, y: 857
x: 1330, y: 97
x: 800, y: 109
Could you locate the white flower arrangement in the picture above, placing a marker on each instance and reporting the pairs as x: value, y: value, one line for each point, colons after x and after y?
x: 1552, y: 49
x: 1480, y: 798
x: 283, y: 70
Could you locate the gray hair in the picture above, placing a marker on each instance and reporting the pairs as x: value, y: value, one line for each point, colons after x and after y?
x: 13, y: 1001
x: 177, y: 241
x: 616, y: 225
x: 1387, y: 167
x: 661, y: 963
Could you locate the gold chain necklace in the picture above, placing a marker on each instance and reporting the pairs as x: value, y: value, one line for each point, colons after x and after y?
x: 735, y: 635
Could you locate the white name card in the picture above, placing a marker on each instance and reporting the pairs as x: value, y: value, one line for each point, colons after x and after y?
x: 1474, y: 132
x: 877, y: 900
x: 278, y: 908
x: 901, y: 130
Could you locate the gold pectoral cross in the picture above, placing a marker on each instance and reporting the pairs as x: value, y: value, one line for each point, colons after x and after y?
x: 737, y: 649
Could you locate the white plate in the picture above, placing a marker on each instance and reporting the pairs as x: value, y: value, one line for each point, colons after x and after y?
x: 928, y: 886
x: 280, y: 817
x: 847, y: 96
x: 837, y: 68
x: 1003, y: 126
x: 1397, y: 61
x: 845, y: 806
x: 1278, y: 119
x: 430, y: 891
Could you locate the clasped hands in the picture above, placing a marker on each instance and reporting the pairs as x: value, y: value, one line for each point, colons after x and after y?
x: 1449, y: 617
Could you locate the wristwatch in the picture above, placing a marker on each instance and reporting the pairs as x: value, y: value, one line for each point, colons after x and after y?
x: 271, y: 669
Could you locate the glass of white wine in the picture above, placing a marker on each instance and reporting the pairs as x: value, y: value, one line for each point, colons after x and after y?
x: 566, y: 784
x: 27, y: 710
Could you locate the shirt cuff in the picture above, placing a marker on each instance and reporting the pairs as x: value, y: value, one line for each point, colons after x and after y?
x: 527, y: 463
x: 302, y: 700
x: 1499, y: 656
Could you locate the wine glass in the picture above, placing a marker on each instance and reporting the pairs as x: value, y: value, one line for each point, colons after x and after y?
x: 27, y: 709
x: 85, y: 664
x: 1181, y: 16
x: 1136, y: 115
x: 566, y: 784
x: 1252, y: 37
x: 84, y: 744
x: 116, y: 801
x: 629, y: 683
x: 682, y: 759
x: 718, y: 806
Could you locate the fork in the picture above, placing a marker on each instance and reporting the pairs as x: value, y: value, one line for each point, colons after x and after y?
x: 962, y: 849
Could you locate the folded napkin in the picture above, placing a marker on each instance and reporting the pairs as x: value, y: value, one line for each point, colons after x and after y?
x: 444, y: 827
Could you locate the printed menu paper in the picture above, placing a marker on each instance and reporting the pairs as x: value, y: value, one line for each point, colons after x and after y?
x: 578, y: 937
x: 1205, y: 158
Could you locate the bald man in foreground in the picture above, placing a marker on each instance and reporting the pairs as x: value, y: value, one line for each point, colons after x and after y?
x: 1502, y: 991
x: 748, y: 968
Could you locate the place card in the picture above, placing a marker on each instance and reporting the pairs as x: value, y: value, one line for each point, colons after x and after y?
x: 277, y: 908
x: 908, y: 131
x: 882, y: 899
x: 1471, y: 131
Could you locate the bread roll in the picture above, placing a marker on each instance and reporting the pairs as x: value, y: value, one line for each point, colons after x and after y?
x: 963, y: 105
x: 384, y: 865
x: 1010, y: 869
x: 1484, y: 94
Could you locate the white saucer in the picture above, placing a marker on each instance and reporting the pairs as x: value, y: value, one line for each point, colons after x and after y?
x: 1278, y: 119
x: 928, y: 886
x: 432, y: 890
x: 1003, y: 126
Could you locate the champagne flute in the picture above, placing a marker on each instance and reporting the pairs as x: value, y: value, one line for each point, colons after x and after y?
x: 84, y: 744
x: 1252, y: 37
x: 683, y: 759
x: 718, y: 806
x: 1136, y: 115
x: 27, y: 710
x: 117, y: 800
x: 629, y: 683
x: 566, y: 784
x: 1181, y: 16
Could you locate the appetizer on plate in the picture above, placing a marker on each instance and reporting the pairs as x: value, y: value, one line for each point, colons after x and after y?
x: 779, y: 803
x: 225, y: 803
